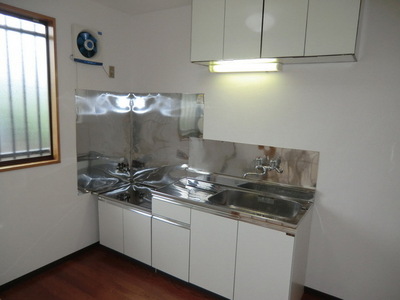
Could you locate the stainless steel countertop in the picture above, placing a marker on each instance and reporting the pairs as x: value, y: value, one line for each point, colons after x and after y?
x: 195, y: 193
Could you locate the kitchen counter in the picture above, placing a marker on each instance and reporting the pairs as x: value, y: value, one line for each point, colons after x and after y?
x: 196, y: 193
x: 199, y: 194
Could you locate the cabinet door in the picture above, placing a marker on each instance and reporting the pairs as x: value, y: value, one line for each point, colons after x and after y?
x: 263, y: 263
x: 332, y: 27
x: 207, y: 29
x: 110, y: 226
x: 243, y: 23
x: 170, y: 248
x: 212, y: 252
x: 284, y: 28
x: 137, y: 235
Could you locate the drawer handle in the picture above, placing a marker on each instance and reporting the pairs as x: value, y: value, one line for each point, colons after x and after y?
x: 174, y: 223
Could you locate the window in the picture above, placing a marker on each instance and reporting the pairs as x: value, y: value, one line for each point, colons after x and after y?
x: 28, y: 89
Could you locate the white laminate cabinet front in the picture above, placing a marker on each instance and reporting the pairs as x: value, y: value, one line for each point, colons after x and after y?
x: 212, y: 252
x: 137, y: 235
x: 170, y: 248
x: 292, y: 30
x: 207, y: 30
x: 170, y: 210
x: 332, y: 27
x: 243, y: 26
x: 263, y: 263
x: 111, y: 226
x: 284, y: 28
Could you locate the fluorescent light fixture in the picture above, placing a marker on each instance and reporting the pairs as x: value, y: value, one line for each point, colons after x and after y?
x: 247, y: 65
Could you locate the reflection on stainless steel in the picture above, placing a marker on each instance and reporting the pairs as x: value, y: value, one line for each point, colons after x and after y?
x: 291, y: 192
x: 131, y: 145
x: 96, y: 184
x: 100, y: 173
x: 132, y: 136
x: 159, y: 177
x: 235, y: 159
x: 257, y: 204
x: 277, y: 205
x: 135, y: 195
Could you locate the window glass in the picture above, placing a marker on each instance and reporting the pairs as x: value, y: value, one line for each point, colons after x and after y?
x: 28, y: 97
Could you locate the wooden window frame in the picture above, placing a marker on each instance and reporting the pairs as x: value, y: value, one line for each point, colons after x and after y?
x: 54, y: 157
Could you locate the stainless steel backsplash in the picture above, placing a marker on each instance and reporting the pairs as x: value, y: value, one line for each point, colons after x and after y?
x: 300, y: 167
x: 131, y: 136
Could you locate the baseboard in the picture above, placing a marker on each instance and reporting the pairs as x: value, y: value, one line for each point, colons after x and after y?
x: 320, y: 294
x: 41, y: 269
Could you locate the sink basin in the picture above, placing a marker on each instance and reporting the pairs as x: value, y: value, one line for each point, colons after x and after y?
x: 257, y: 204
x: 279, y: 190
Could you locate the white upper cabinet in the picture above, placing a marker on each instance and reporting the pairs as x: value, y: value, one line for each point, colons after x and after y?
x: 243, y: 26
x: 332, y: 27
x: 284, y: 28
x: 207, y: 30
x: 292, y: 30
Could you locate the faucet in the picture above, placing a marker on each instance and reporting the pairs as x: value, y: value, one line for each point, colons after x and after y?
x: 264, y: 167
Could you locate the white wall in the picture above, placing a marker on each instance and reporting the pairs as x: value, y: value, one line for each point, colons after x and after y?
x: 349, y: 112
x: 41, y: 216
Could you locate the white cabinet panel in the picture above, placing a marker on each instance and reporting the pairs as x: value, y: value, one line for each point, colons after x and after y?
x: 284, y: 28
x: 263, y: 263
x: 170, y: 248
x: 137, y: 235
x: 212, y: 252
x: 170, y: 210
x: 332, y: 27
x: 111, y: 226
x: 207, y: 29
x: 243, y: 26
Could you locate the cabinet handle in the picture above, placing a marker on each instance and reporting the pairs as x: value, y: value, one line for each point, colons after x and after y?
x: 139, y: 212
x: 174, y: 223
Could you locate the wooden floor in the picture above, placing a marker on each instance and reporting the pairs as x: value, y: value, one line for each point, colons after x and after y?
x: 99, y: 273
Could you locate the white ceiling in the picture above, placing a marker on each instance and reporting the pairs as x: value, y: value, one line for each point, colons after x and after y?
x: 135, y: 7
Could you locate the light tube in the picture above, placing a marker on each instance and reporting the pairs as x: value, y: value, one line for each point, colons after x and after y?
x: 256, y: 65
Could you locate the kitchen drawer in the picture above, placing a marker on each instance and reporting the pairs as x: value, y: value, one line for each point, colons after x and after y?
x: 170, y: 210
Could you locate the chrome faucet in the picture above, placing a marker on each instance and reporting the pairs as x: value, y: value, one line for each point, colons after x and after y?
x: 275, y: 165
x: 264, y: 165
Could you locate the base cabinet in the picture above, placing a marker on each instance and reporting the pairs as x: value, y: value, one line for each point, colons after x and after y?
x: 170, y: 249
x: 137, y: 235
x: 263, y: 263
x: 170, y: 237
x: 125, y: 230
x: 111, y: 226
x: 212, y: 252
x: 231, y: 258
